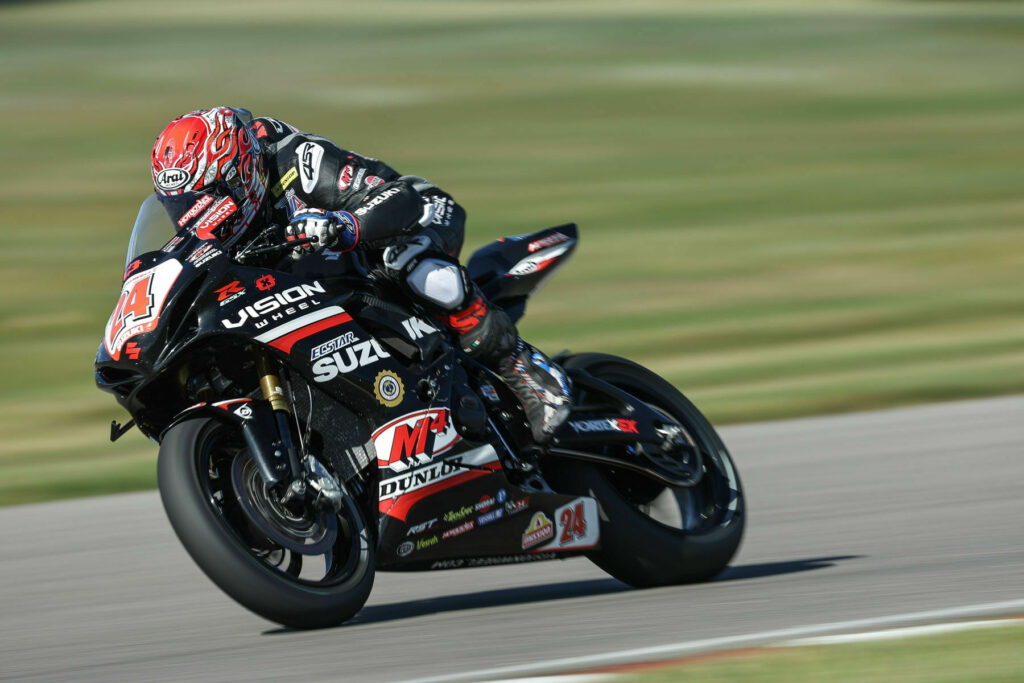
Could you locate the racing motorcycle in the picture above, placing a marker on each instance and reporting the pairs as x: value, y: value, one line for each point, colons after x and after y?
x: 316, y: 427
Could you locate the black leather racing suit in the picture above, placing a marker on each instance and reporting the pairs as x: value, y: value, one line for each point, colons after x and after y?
x: 421, y: 229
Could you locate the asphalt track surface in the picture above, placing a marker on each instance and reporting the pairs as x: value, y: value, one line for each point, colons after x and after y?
x: 851, y: 517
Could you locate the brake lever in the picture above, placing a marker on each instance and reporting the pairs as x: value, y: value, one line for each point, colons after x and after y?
x: 242, y: 257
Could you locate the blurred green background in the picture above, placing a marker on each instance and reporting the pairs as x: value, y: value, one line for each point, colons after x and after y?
x: 786, y: 208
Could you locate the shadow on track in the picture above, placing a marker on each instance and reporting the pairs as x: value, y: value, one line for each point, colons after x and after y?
x: 481, y: 599
x: 756, y: 571
x: 556, y: 591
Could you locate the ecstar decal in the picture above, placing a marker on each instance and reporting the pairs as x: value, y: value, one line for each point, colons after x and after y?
x: 347, y: 359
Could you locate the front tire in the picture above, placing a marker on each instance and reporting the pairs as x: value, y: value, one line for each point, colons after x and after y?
x: 199, y: 470
x: 653, y: 535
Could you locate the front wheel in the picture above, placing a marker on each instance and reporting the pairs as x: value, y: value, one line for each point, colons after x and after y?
x: 652, y: 534
x: 298, y: 567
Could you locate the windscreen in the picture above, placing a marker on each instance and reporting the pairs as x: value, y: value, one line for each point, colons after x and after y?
x: 152, y: 229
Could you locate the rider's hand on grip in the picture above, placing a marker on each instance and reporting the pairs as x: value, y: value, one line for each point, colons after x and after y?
x: 325, y: 229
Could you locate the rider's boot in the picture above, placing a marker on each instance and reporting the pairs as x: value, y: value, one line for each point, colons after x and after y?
x: 487, y: 334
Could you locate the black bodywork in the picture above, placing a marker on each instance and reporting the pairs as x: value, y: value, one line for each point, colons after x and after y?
x: 433, y: 444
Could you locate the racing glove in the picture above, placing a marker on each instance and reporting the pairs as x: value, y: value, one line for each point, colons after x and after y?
x: 327, y: 228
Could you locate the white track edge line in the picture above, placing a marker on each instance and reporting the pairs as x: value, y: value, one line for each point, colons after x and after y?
x: 897, y: 633
x: 687, y: 647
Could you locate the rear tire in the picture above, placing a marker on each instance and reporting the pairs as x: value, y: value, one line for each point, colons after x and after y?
x: 213, y: 527
x: 636, y: 547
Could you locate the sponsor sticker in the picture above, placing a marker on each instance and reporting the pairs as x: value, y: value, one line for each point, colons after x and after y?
x: 415, y: 439
x: 196, y: 209
x: 492, y: 516
x: 286, y: 180
x: 490, y: 393
x: 388, y: 388
x: 309, y: 155
x: 265, y: 282
x: 459, y: 530
x: 333, y: 345
x: 172, y: 178
x: 406, y: 548
x: 539, y: 530
x: 458, y: 514
x: 604, y: 425
x: 376, y: 201
x: 212, y: 219
x: 421, y: 527
x: 514, y: 507
x: 138, y: 308
x: 348, y: 358
x: 203, y: 255
x: 275, y: 307
x: 426, y: 542
x: 549, y: 241
x: 345, y: 177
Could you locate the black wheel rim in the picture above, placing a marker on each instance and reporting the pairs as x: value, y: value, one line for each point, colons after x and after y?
x: 312, y: 549
x: 697, y: 509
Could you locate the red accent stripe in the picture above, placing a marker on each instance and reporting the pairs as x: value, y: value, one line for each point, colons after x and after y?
x: 399, y: 507
x: 286, y: 342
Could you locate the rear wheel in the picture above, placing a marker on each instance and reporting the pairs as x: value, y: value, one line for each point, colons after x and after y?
x: 296, y: 566
x: 652, y: 534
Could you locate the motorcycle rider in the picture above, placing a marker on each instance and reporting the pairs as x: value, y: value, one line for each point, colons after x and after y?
x: 228, y: 174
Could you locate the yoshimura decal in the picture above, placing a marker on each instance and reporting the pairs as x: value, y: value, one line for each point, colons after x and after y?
x: 538, y: 261
x: 277, y: 306
x: 172, y: 178
x: 332, y: 345
x: 138, y: 308
x: 604, y: 425
x: 388, y: 388
x: 347, y: 359
x: 309, y: 155
x: 414, y: 439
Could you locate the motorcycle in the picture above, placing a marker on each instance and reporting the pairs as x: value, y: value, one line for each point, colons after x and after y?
x: 316, y: 427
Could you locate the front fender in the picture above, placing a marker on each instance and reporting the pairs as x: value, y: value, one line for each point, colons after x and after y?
x: 255, y: 419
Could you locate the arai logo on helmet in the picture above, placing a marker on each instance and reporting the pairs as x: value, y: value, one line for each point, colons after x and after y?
x: 171, y: 178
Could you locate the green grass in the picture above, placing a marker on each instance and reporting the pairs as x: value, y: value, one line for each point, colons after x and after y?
x: 989, y: 655
x: 787, y: 208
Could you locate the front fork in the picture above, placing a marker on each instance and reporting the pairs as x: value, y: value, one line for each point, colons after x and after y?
x: 308, y: 478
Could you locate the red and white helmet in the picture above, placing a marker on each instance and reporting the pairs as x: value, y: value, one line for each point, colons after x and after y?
x: 209, y: 174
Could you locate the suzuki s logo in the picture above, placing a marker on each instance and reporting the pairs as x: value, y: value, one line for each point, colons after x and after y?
x: 171, y: 178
